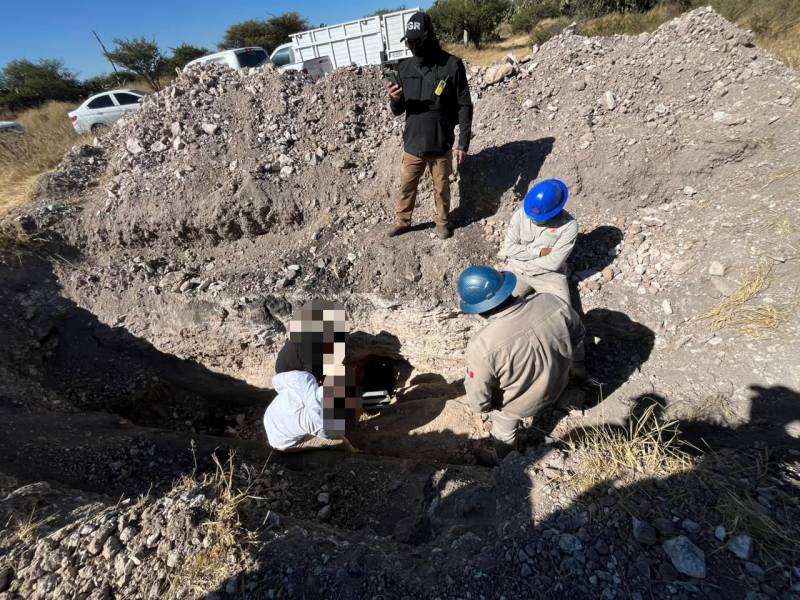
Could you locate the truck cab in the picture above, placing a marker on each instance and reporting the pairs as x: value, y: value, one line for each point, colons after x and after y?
x: 285, y: 59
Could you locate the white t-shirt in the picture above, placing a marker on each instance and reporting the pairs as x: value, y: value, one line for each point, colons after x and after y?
x: 295, y: 412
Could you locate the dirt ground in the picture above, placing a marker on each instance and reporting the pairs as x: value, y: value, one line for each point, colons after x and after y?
x: 141, y: 315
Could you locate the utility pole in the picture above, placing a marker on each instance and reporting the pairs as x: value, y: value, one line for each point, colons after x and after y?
x: 105, y: 53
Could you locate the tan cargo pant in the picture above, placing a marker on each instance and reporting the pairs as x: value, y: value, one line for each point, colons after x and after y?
x: 313, y: 442
x: 411, y: 171
x: 547, y: 283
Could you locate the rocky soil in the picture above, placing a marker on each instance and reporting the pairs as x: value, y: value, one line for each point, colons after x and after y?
x: 137, y: 338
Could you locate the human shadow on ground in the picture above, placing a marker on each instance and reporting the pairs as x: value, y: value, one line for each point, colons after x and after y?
x: 616, y: 347
x: 620, y: 515
x: 487, y: 176
x: 593, y: 252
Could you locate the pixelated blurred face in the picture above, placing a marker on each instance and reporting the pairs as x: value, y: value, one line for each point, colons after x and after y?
x: 320, y: 327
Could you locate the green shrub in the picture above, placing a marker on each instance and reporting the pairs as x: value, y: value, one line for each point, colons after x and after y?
x: 528, y: 14
x: 597, y: 8
x: 479, y: 18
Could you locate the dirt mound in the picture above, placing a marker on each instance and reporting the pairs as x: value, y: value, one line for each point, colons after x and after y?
x: 231, y: 188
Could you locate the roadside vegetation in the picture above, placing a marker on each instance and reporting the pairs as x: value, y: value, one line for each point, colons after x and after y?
x: 24, y: 157
x: 775, y: 23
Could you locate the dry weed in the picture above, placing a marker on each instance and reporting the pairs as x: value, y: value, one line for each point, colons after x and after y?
x: 644, y: 449
x: 208, y: 568
x: 24, y: 157
x: 25, y: 530
x: 735, y: 312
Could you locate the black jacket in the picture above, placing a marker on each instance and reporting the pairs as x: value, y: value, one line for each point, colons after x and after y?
x: 430, y: 118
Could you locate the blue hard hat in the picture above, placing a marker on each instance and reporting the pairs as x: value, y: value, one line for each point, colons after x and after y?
x: 483, y: 288
x: 546, y: 199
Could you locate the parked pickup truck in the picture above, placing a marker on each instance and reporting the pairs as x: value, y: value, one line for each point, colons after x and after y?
x: 370, y: 41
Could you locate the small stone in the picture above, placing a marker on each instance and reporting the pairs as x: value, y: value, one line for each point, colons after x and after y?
x: 716, y: 269
x: 111, y: 547
x: 741, y: 545
x: 569, y: 544
x: 686, y: 557
x: 324, y: 498
x: 611, y: 102
x: 324, y: 513
x: 175, y: 128
x: 643, y: 532
x: 608, y: 274
x: 158, y: 146
x: 666, y: 307
x: 173, y: 558
x: 209, y: 128
x: 525, y: 571
x: 528, y: 104
x: 720, y: 533
x: 727, y: 119
x: 689, y: 190
x: 579, y: 85
x: 287, y: 171
x: 679, y: 267
x: 351, y: 257
x: 133, y: 146
x: 690, y: 526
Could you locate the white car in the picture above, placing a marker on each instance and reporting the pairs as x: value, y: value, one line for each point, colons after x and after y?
x: 101, y: 110
x: 240, y: 58
x: 11, y: 127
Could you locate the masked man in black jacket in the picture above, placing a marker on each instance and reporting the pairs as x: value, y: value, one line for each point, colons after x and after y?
x: 434, y: 95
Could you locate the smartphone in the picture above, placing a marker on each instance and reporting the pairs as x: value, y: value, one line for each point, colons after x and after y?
x: 392, y: 77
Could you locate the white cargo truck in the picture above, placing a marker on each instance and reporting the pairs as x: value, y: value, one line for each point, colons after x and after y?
x: 371, y: 41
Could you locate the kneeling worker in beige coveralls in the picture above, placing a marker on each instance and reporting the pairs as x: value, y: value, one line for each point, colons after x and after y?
x: 540, y: 238
x: 520, y: 362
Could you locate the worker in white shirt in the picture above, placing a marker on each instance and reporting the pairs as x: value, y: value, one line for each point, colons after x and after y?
x: 314, y: 401
x: 541, y: 236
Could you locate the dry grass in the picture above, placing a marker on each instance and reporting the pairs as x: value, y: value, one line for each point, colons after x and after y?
x: 736, y: 312
x: 24, y: 157
x: 742, y: 514
x: 647, y: 448
x: 205, y: 570
x: 25, y: 530
x: 488, y: 54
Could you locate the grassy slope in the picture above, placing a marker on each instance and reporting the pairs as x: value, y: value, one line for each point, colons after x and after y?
x: 24, y: 157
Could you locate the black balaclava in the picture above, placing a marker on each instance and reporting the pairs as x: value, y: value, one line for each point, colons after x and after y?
x: 420, y: 36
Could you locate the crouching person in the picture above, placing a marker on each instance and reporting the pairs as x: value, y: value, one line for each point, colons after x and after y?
x: 541, y: 236
x: 520, y: 362
x: 314, y: 403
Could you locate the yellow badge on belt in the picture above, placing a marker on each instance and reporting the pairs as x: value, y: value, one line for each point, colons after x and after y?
x: 440, y: 88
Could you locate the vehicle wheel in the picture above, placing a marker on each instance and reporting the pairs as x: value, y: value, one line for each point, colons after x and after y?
x: 99, y: 129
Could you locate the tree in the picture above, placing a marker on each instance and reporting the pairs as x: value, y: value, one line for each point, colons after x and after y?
x: 527, y: 13
x: 267, y: 34
x: 140, y: 56
x: 183, y: 54
x: 383, y: 11
x: 24, y: 84
x: 478, y: 18
x: 107, y: 81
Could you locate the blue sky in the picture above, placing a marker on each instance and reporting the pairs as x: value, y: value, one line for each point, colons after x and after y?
x: 63, y: 29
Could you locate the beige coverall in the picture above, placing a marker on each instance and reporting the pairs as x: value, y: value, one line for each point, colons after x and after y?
x: 525, y: 240
x: 520, y: 362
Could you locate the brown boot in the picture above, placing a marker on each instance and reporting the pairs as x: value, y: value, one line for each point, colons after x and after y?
x: 398, y: 230
x: 443, y: 232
